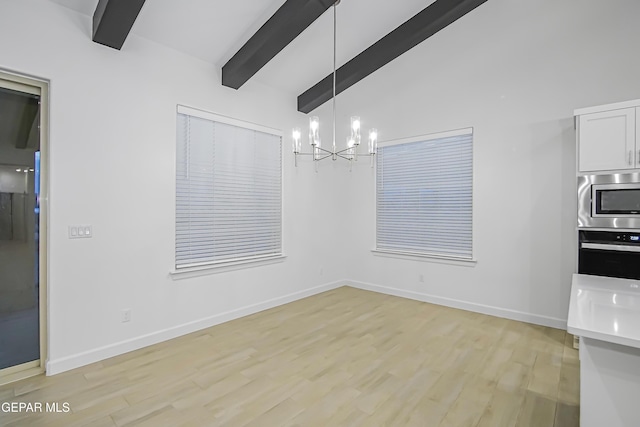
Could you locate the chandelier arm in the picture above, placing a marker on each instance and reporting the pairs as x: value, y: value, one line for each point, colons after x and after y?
x: 344, y: 149
x: 324, y: 157
x: 330, y: 153
x: 324, y: 149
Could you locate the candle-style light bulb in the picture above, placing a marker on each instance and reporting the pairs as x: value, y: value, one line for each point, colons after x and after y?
x: 373, y: 141
x: 314, y: 131
x: 355, y: 130
x: 296, y: 140
x: 350, y: 149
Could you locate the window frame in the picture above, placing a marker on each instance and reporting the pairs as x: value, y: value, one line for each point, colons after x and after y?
x: 427, y: 256
x: 236, y: 263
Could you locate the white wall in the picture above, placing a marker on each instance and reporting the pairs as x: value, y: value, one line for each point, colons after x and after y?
x: 112, y: 165
x: 514, y: 70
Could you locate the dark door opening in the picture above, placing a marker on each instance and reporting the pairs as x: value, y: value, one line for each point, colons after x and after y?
x: 19, y: 223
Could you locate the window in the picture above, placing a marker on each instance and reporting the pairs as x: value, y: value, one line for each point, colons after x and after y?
x: 424, y: 190
x: 228, y: 190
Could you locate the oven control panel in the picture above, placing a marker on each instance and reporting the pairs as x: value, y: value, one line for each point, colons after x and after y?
x: 631, y: 238
x: 611, y: 237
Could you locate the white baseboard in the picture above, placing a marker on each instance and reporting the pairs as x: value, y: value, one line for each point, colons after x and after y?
x: 464, y: 305
x: 57, y: 366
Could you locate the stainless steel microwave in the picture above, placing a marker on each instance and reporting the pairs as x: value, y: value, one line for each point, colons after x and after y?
x: 609, y: 201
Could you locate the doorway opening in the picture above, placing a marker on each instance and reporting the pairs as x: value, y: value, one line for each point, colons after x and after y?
x: 23, y: 214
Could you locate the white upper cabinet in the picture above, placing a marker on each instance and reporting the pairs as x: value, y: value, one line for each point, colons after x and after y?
x: 607, y: 139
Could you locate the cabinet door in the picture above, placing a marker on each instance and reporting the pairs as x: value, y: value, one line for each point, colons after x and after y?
x: 607, y: 140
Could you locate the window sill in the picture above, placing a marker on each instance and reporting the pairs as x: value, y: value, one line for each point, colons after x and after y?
x: 222, y: 267
x: 415, y: 256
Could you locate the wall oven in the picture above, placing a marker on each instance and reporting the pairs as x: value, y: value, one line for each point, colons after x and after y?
x: 611, y: 254
x: 609, y: 201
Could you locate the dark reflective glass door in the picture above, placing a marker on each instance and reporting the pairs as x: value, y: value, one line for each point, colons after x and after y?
x: 19, y: 219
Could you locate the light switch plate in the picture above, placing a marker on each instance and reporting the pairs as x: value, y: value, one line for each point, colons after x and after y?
x: 80, y: 232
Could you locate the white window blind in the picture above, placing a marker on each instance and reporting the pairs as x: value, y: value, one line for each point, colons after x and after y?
x: 228, y: 190
x: 424, y: 189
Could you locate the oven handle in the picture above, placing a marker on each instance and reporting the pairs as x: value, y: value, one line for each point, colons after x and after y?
x: 611, y: 247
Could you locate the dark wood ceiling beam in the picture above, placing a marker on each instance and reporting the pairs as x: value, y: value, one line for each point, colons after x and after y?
x: 423, y: 25
x: 291, y: 19
x: 113, y: 19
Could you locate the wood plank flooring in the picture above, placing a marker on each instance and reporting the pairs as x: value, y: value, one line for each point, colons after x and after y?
x: 342, y: 358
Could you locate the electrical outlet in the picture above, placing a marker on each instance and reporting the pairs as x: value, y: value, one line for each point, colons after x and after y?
x: 421, y: 278
x: 321, y: 271
x: 126, y: 315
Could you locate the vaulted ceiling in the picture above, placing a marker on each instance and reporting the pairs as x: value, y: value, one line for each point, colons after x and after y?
x: 214, y: 31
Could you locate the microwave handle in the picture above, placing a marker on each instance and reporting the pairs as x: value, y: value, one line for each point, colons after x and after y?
x: 611, y: 247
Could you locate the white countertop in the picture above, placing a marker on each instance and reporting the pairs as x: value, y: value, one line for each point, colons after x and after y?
x: 606, y: 309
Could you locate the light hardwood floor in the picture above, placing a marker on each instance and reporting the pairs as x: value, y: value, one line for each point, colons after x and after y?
x: 342, y: 358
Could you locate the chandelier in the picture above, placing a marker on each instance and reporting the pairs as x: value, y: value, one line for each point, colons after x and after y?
x: 349, y: 153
